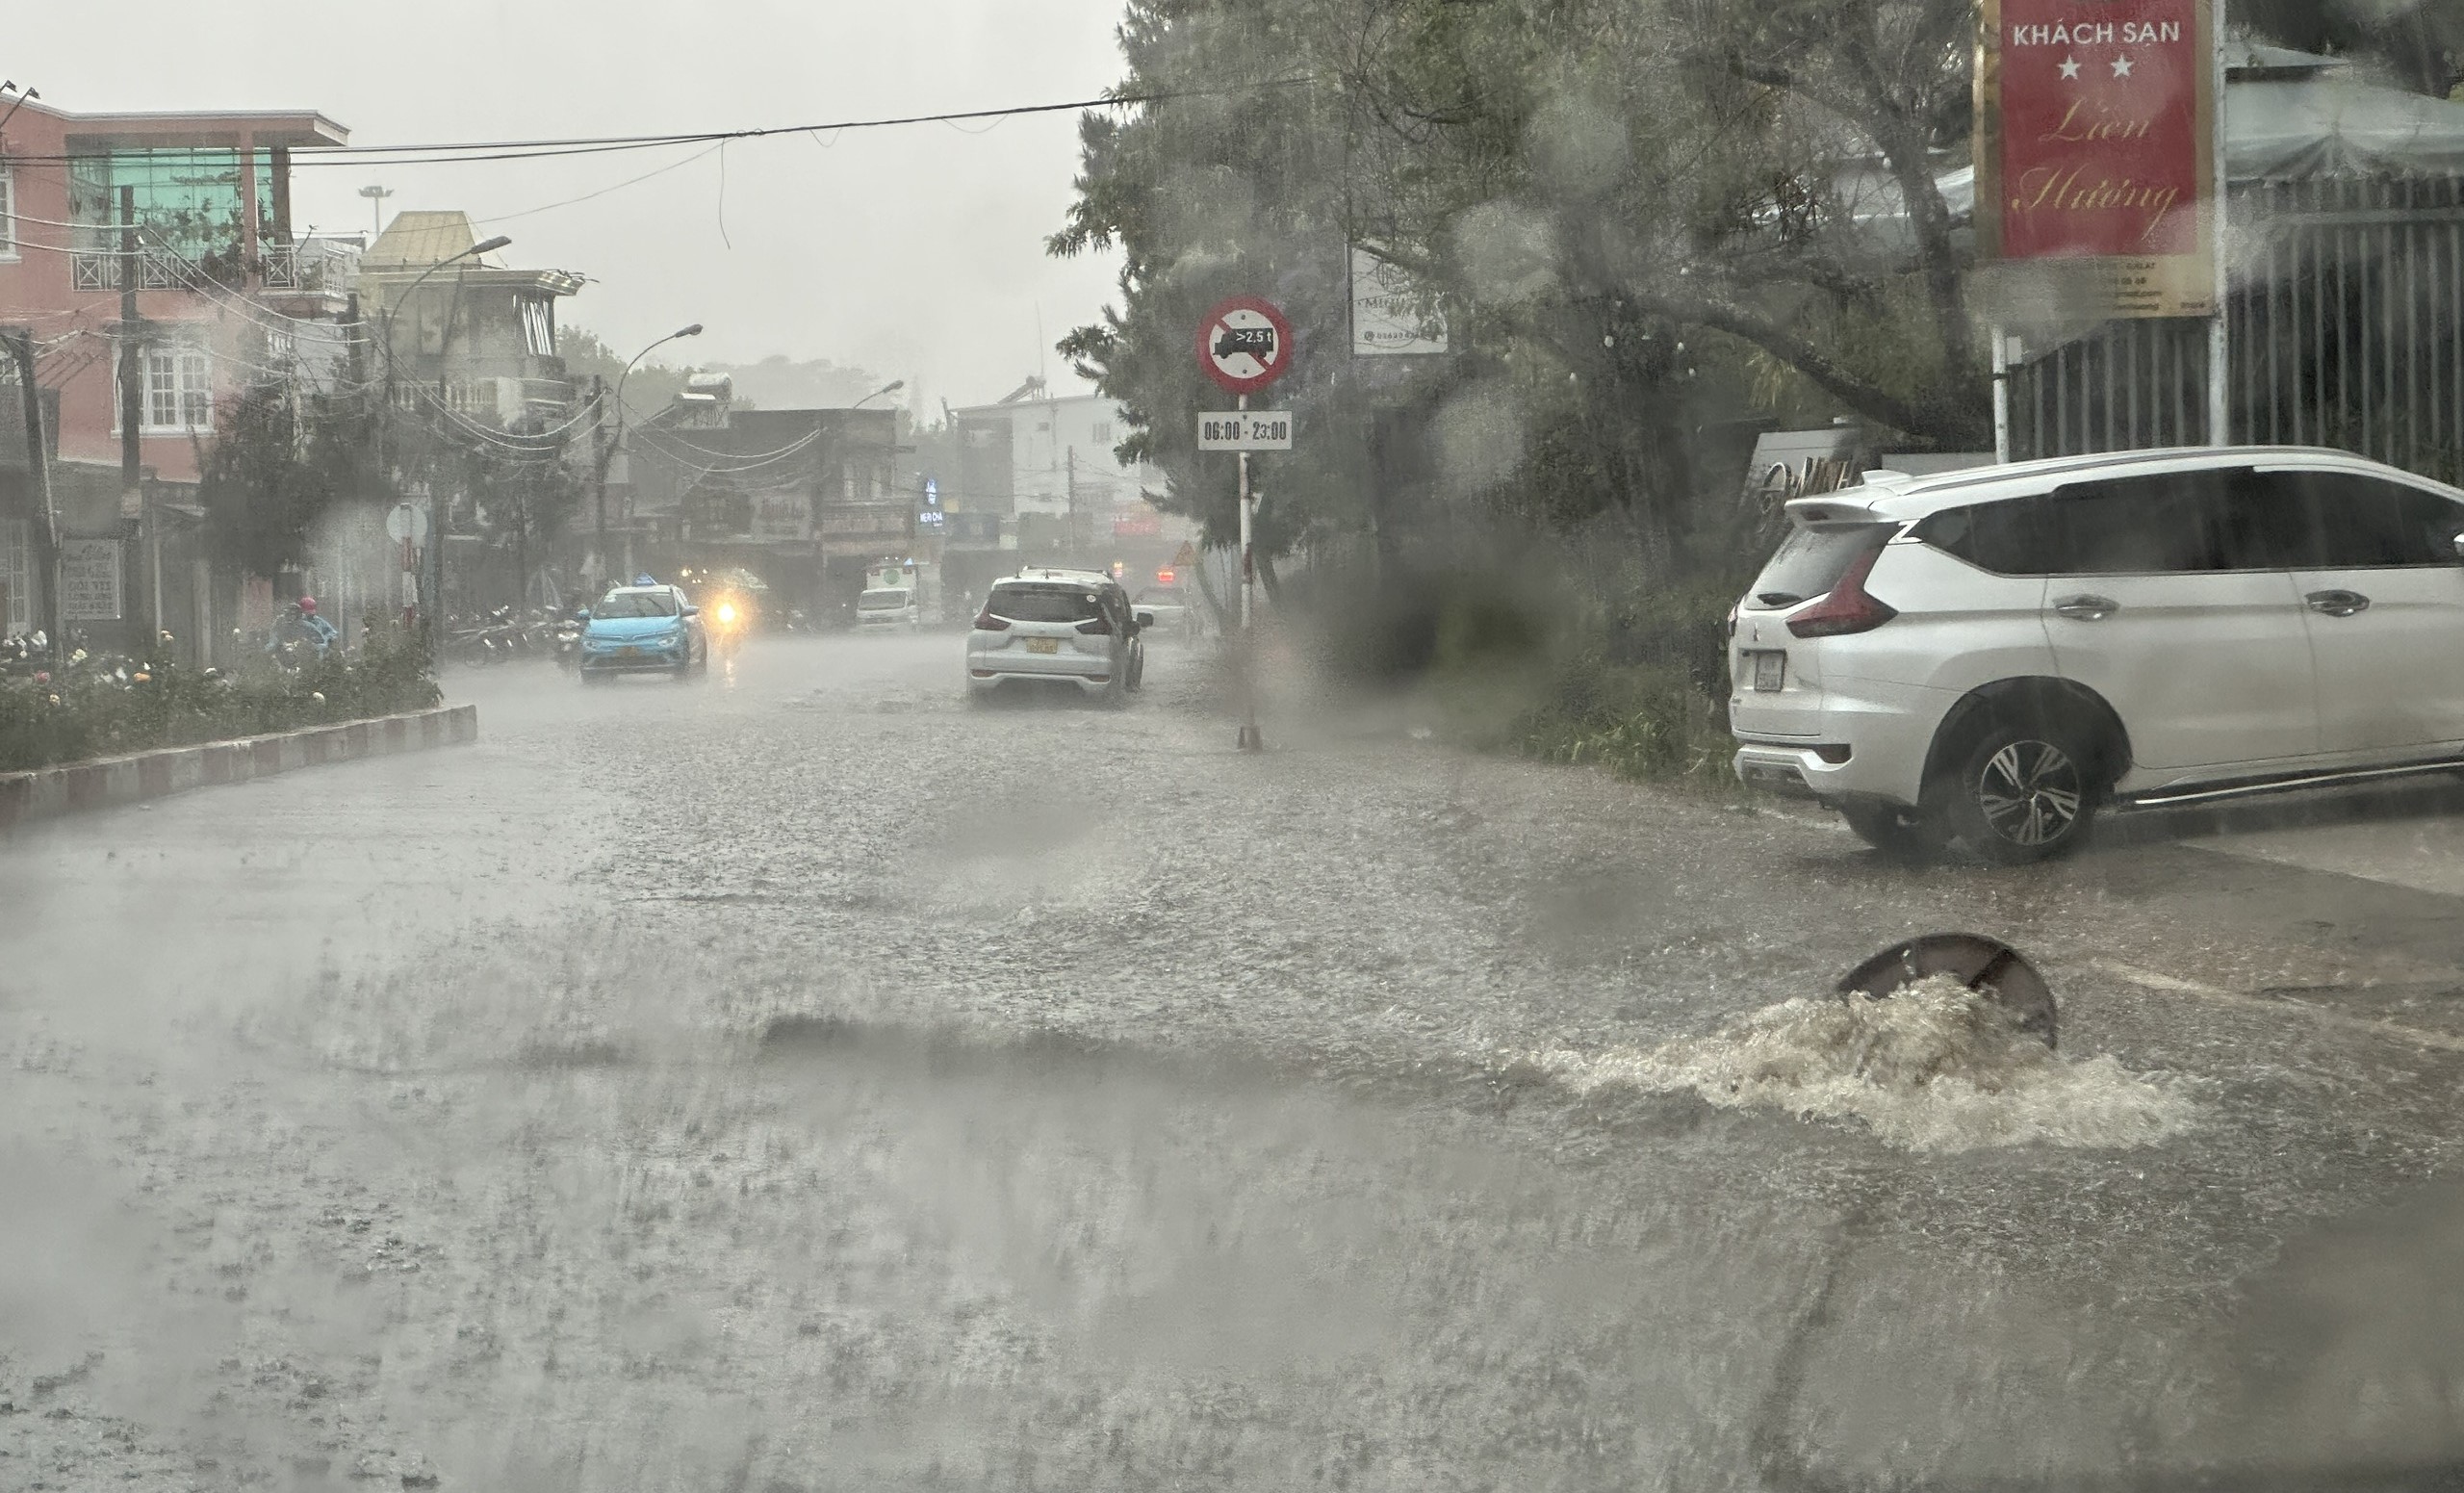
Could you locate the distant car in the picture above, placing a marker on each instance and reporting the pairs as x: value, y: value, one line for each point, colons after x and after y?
x: 1174, y: 615
x: 886, y: 607
x: 643, y: 630
x: 1058, y: 627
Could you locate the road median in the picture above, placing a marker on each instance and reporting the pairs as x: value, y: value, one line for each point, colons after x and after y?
x: 102, y: 782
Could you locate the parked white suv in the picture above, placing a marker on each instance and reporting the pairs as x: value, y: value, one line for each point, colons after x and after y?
x: 1988, y: 656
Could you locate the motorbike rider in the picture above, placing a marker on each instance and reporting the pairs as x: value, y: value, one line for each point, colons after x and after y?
x: 301, y: 624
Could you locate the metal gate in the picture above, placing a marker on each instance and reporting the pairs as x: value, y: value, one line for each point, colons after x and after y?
x: 2345, y: 318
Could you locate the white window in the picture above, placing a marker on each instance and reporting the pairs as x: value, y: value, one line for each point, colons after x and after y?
x: 539, y: 326
x: 179, y: 388
x: 17, y: 577
x: 8, y: 214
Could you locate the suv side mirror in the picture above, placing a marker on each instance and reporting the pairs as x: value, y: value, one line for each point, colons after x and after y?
x: 1146, y: 619
x: 692, y: 611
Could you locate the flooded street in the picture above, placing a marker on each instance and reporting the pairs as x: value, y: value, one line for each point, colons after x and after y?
x: 800, y: 1081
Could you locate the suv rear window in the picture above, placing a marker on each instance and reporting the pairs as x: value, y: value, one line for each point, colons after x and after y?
x: 1045, y: 604
x: 1811, y: 560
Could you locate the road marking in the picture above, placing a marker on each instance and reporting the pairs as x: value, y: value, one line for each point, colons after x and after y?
x: 2153, y: 981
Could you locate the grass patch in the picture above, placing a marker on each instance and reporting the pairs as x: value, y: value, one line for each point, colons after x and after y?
x: 1634, y: 681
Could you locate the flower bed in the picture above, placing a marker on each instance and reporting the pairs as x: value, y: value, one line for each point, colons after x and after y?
x: 93, y: 708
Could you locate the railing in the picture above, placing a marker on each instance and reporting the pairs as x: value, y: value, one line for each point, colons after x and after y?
x: 99, y: 271
x: 311, y: 265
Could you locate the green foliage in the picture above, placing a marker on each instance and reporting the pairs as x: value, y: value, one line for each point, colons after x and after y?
x: 522, y: 499
x: 652, y: 384
x: 281, y: 457
x: 1644, y: 218
x: 1617, y: 670
x: 1640, y: 722
x: 85, y: 712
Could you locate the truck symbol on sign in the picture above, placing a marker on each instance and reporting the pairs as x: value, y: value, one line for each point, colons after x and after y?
x: 1256, y: 341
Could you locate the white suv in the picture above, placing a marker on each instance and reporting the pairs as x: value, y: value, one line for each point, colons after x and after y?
x: 1987, y: 655
x: 1070, y: 627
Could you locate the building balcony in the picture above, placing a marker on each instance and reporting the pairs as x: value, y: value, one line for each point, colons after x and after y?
x: 156, y: 271
x: 310, y: 266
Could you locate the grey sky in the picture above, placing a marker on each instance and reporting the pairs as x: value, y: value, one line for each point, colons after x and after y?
x: 916, y: 252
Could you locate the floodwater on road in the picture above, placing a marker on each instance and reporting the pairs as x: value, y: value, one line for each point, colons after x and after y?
x: 797, y: 1081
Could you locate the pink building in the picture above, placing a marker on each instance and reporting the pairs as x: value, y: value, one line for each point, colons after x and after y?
x: 224, y: 289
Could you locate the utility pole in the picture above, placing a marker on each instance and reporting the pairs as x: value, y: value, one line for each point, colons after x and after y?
x: 46, y: 525
x: 131, y: 409
x: 601, y: 452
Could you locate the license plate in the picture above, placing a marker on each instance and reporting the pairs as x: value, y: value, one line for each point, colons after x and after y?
x: 632, y: 653
x: 1770, y: 669
x: 1044, y: 645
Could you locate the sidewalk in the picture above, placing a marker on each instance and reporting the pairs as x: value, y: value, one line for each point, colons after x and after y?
x: 71, y: 788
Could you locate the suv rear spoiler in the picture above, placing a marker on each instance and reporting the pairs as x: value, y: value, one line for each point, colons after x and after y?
x: 1845, y: 508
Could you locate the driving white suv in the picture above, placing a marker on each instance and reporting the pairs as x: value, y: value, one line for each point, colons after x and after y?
x: 1988, y: 656
x: 1049, y: 627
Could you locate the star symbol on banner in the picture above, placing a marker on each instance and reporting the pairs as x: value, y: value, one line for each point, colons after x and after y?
x: 2121, y: 66
x: 2069, y: 67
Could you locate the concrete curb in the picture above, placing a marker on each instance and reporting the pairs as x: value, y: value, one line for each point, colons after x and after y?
x: 72, y: 787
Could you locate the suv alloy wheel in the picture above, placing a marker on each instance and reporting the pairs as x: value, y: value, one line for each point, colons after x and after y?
x: 2022, y: 792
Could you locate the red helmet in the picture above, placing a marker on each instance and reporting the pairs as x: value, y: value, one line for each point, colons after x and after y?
x: 308, y: 605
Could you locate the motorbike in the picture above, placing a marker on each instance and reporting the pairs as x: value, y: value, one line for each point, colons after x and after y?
x: 730, y: 617
x: 24, y: 654
x: 493, y: 637
x: 565, y: 642
x: 294, y: 643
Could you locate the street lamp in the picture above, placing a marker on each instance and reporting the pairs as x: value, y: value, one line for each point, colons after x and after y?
x: 891, y: 387
x: 435, y: 510
x: 376, y: 195
x: 607, y: 451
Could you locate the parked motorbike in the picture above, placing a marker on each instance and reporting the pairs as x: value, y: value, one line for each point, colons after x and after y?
x: 491, y: 637
x: 24, y: 655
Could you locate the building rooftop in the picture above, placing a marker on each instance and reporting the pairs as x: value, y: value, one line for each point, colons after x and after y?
x: 293, y: 129
x: 417, y: 241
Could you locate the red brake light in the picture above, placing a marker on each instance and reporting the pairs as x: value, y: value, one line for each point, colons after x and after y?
x: 1163, y: 578
x: 1846, y: 607
x: 986, y: 622
x: 1098, y: 626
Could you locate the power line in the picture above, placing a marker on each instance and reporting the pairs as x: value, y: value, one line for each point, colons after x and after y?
x: 549, y: 207
x: 446, y: 152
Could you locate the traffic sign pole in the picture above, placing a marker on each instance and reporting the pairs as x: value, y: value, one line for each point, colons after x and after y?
x: 1245, y: 344
x: 1250, y: 739
x: 1248, y: 552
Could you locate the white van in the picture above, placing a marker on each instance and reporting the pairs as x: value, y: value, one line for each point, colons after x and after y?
x: 887, y: 607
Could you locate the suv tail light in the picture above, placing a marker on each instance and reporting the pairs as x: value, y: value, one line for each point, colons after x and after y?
x: 1846, y: 607
x: 1096, y: 627
x: 986, y: 622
